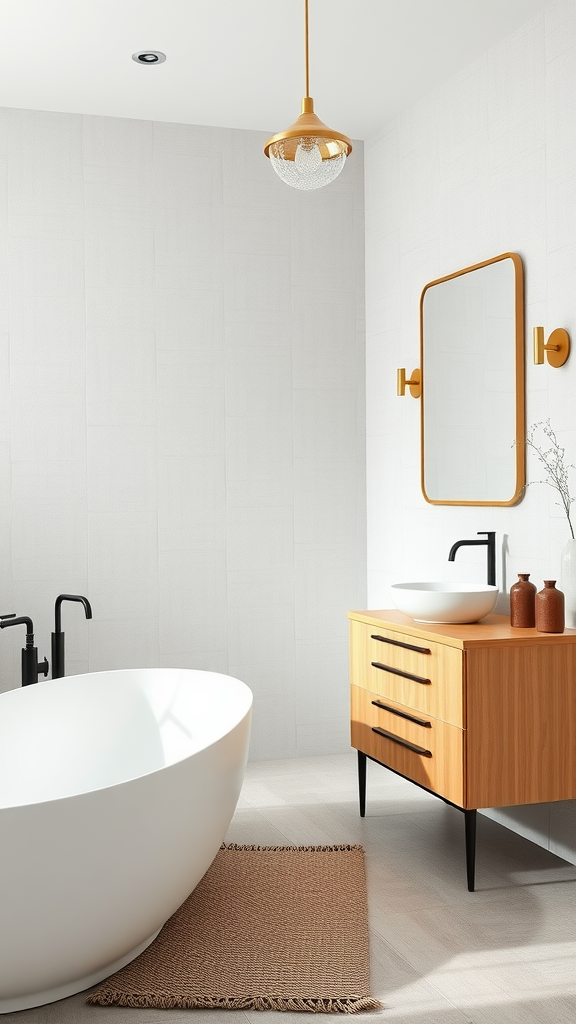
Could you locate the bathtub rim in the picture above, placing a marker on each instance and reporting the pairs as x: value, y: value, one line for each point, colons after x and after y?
x: 142, y: 775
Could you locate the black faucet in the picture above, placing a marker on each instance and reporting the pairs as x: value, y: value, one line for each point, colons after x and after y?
x: 58, y: 635
x: 30, y: 667
x: 491, y: 545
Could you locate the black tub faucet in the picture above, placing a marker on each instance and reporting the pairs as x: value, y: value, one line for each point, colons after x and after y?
x: 30, y: 667
x: 58, y: 635
x: 491, y: 553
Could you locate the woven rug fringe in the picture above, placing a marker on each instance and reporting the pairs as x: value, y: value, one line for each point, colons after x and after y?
x: 167, y: 1001
x: 305, y: 849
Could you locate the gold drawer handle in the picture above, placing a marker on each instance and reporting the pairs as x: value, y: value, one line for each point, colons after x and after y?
x: 399, y: 672
x: 402, y: 714
x: 402, y: 743
x: 398, y: 643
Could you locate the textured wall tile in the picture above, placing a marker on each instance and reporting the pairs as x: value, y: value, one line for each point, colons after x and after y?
x: 122, y: 545
x: 190, y: 236
x: 261, y: 629
x: 259, y: 388
x: 191, y: 421
x: 188, y: 316
x: 120, y: 406
x: 33, y: 217
x: 47, y: 425
x: 560, y: 28
x: 47, y: 346
x: 46, y: 267
x: 257, y: 283
x: 260, y: 538
x: 561, y: 212
x: 200, y: 658
x: 273, y: 733
x: 5, y: 379
x: 150, y: 388
x: 120, y: 358
x: 256, y: 231
x: 193, y: 600
x: 516, y: 78
x: 322, y: 601
x: 184, y: 176
x: 327, y: 736
x: 322, y: 682
x: 192, y: 503
x: 127, y: 594
x: 115, y: 310
x: 117, y: 142
x: 122, y: 472
x: 125, y: 187
x: 249, y: 180
x: 326, y: 349
x: 4, y: 303
x: 120, y: 249
x: 325, y: 500
x: 259, y: 468
x: 50, y: 546
x: 560, y: 106
x: 45, y: 156
x: 57, y: 483
x: 123, y: 643
x: 325, y: 424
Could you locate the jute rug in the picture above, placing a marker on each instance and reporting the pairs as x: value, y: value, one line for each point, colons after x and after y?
x: 267, y: 928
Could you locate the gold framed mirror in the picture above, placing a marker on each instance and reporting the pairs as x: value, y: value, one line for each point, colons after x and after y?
x: 473, y: 406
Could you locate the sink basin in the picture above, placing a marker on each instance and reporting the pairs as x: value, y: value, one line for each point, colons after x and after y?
x: 445, y: 602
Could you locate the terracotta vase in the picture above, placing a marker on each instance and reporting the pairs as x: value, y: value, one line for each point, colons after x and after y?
x: 523, y: 602
x: 550, y: 609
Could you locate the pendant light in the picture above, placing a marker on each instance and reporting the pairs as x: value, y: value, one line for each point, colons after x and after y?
x: 308, y: 154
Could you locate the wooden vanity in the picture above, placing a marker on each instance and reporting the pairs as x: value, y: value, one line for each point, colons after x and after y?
x: 481, y: 715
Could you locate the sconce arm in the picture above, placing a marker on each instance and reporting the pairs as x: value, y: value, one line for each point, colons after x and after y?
x: 414, y: 383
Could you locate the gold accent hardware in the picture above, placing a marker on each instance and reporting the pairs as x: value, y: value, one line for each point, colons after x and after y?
x: 309, y: 124
x: 331, y: 144
x: 415, y: 383
x: 557, y: 349
x: 519, y: 397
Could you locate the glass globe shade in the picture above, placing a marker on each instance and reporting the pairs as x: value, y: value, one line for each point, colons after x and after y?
x: 308, y: 162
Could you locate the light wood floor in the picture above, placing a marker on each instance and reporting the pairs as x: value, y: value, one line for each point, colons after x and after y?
x: 505, y: 954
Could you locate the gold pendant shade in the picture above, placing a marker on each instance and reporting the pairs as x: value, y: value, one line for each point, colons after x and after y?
x: 308, y: 154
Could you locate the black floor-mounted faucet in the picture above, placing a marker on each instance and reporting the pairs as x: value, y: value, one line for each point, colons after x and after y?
x: 30, y: 667
x: 491, y: 553
x: 58, y: 635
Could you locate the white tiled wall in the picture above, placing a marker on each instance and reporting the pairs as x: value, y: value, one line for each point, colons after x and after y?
x: 483, y: 165
x: 182, y: 410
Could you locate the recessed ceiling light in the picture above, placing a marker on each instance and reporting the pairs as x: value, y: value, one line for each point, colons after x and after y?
x: 149, y: 57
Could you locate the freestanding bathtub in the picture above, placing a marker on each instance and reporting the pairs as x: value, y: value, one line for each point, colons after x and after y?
x: 116, y: 791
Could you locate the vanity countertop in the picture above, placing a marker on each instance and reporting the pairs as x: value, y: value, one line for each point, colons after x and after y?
x: 494, y: 629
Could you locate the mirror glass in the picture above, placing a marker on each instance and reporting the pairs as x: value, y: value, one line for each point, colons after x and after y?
x: 472, y: 360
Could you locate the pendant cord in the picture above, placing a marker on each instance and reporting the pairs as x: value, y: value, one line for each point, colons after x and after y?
x: 306, y: 45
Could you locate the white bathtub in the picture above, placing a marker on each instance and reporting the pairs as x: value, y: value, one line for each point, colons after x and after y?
x: 116, y: 790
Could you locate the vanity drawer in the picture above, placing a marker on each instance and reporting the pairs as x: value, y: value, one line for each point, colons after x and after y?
x: 420, y: 674
x: 421, y: 747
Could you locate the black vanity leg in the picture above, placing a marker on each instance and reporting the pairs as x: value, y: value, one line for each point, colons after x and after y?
x: 470, y: 830
x: 362, y: 782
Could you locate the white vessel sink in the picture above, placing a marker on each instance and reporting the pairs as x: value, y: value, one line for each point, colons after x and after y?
x: 445, y: 602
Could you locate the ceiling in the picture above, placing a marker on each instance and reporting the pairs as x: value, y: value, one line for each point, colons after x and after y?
x: 239, y: 63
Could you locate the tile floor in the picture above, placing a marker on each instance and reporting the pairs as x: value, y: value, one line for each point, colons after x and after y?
x: 505, y: 954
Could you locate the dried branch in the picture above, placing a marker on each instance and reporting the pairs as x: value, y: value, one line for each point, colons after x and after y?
x: 552, y: 458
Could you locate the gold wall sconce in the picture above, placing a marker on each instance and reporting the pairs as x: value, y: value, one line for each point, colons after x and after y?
x: 557, y: 348
x: 415, y: 383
